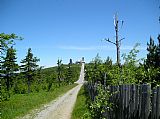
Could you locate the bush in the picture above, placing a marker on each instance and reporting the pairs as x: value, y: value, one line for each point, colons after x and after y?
x: 101, y: 103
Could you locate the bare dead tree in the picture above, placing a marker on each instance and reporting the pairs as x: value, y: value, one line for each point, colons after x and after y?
x: 117, y: 42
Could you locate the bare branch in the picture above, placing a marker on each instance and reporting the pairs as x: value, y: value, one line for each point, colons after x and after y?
x: 109, y: 41
x: 121, y: 39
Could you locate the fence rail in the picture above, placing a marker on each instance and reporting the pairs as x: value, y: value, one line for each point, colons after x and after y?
x: 131, y: 101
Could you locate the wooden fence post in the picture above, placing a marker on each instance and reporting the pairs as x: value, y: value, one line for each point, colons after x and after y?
x: 154, y: 97
x: 145, y: 105
x: 158, y: 103
x: 137, y: 102
x: 133, y: 102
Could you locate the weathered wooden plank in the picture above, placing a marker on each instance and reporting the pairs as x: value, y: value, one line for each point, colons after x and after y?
x: 117, y: 102
x: 158, y: 103
x: 132, y: 101
x: 126, y: 101
x: 137, y: 95
x: 129, y: 101
x: 121, y: 102
x: 140, y: 102
x: 154, y: 97
x: 145, y: 111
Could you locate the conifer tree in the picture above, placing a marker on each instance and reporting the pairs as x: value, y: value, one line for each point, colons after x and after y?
x: 70, y: 61
x: 108, y: 62
x: 158, y: 53
x: 6, y: 41
x: 153, y: 56
x: 59, y: 70
x: 29, y: 67
x: 9, y: 67
x: 69, y: 73
x: 150, y: 61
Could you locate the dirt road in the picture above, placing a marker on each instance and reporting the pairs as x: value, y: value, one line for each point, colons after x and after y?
x: 62, y: 107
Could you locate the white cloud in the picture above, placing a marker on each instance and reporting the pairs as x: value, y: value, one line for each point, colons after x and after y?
x: 92, y: 48
x: 77, y: 48
x: 131, y: 47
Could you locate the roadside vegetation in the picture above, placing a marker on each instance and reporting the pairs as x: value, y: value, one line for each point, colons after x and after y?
x: 101, y: 74
x: 104, y: 73
x: 21, y: 104
x: 81, y: 108
x: 27, y: 85
x: 132, y: 71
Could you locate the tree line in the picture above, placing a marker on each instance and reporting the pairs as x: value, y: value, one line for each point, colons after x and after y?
x: 29, y: 76
x: 133, y: 70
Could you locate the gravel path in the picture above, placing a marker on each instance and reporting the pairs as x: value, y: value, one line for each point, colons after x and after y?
x: 62, y: 107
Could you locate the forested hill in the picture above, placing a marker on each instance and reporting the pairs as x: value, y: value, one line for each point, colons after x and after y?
x: 68, y: 74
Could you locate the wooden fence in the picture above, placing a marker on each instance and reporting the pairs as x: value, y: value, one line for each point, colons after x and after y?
x: 131, y: 101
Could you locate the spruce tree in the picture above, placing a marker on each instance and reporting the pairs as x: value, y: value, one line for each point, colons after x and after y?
x: 69, y: 73
x: 108, y: 62
x: 59, y: 70
x: 158, y: 53
x: 6, y: 41
x: 29, y: 67
x: 9, y: 67
x: 152, y: 63
x: 70, y: 61
x: 151, y: 56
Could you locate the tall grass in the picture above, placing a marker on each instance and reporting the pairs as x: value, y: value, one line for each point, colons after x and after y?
x: 81, y: 110
x: 21, y: 104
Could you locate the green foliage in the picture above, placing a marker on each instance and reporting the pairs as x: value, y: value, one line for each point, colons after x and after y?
x: 99, y: 71
x: 100, y: 104
x: 69, y: 73
x: 48, y: 77
x: 29, y: 67
x: 50, y: 80
x: 152, y: 52
x: 8, y: 64
x: 108, y: 63
x: 114, y: 75
x: 130, y: 72
x: 158, y: 52
x: 5, y: 41
x: 95, y: 70
x: 9, y: 67
x: 17, y: 84
x: 152, y: 63
x: 130, y: 59
x: 75, y: 69
x: 72, y: 73
x: 111, y: 74
x: 130, y: 66
x: 59, y: 70
x: 21, y: 104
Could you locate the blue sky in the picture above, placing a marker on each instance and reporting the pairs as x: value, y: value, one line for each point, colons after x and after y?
x: 75, y: 28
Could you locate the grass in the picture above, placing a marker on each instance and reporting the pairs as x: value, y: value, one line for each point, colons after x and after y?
x: 81, y: 110
x: 21, y: 104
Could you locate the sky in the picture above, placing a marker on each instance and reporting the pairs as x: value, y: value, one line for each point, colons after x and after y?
x: 64, y: 29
